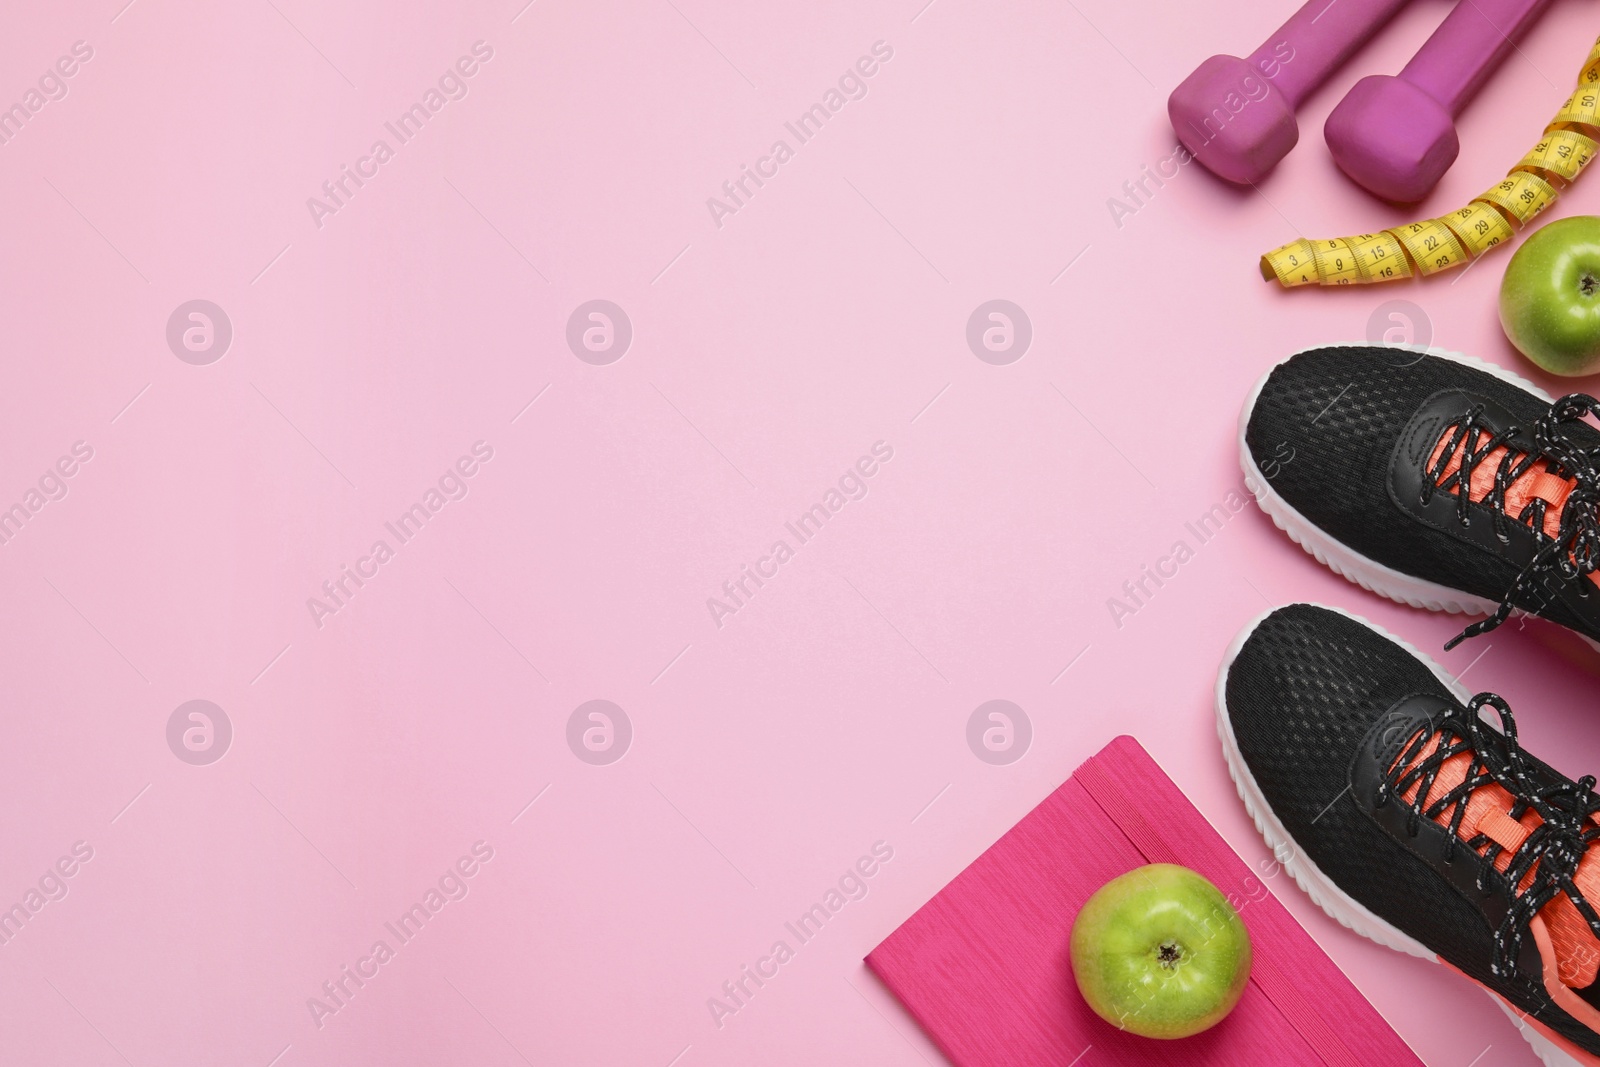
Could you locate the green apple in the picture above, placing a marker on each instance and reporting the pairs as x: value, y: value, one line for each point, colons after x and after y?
x: 1550, y: 296
x: 1160, y: 952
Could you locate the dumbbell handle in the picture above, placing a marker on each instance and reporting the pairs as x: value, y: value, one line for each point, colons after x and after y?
x: 1466, y: 48
x: 1323, y: 34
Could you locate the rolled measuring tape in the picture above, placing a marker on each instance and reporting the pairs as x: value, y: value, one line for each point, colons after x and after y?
x: 1434, y: 245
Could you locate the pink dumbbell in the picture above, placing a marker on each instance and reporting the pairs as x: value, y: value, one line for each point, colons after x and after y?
x: 1395, y: 136
x: 1236, y: 116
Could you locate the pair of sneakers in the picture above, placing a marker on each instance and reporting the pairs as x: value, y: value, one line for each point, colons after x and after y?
x: 1405, y: 806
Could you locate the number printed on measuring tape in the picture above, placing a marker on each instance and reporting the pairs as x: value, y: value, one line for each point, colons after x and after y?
x: 1336, y: 263
x: 1523, y: 195
x: 1479, y: 226
x: 1433, y: 246
x: 1563, y: 153
x: 1380, y: 257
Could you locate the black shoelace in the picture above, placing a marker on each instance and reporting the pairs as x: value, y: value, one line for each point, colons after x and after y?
x: 1552, y: 851
x: 1574, y: 552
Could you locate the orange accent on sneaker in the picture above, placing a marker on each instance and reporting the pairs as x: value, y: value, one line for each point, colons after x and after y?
x: 1499, y: 827
x: 1569, y: 1002
x: 1538, y: 482
x: 1575, y: 947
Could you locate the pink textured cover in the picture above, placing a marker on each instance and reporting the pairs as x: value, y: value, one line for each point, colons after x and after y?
x: 983, y: 966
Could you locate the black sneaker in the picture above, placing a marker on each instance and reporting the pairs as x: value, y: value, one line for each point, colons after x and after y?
x: 1394, y: 800
x: 1360, y: 452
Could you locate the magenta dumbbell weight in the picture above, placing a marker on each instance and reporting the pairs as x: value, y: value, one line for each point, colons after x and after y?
x: 1395, y: 136
x: 1236, y: 116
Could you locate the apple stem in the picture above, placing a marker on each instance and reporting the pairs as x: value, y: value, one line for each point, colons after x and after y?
x: 1169, y: 954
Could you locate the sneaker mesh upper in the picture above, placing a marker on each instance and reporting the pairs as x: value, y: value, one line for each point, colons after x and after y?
x: 1303, y: 691
x: 1341, y: 410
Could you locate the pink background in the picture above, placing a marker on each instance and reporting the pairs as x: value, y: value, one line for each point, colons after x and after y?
x: 768, y: 354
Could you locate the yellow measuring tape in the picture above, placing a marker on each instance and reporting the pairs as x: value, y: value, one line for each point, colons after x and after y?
x: 1435, y: 245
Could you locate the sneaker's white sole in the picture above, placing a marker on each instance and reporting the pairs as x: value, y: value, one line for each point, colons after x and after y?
x: 1322, y: 890
x: 1339, y: 557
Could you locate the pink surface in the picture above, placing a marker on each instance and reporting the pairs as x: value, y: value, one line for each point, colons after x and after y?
x: 984, y: 966
x: 768, y: 355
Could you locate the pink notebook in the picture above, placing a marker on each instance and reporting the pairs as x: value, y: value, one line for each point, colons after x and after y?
x: 983, y: 966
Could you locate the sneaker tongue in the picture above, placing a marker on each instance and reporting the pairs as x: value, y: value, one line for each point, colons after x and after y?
x: 1538, y: 482
x: 1489, y: 813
